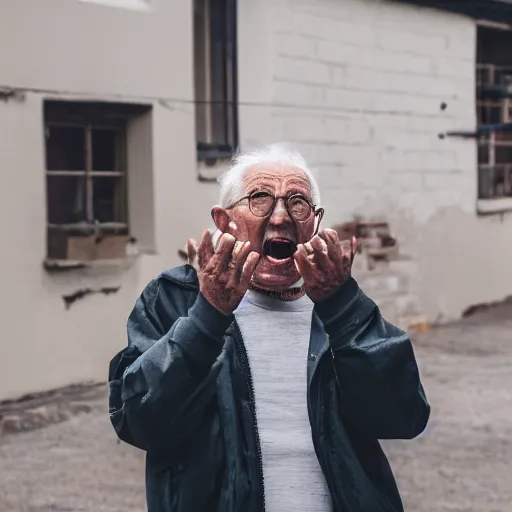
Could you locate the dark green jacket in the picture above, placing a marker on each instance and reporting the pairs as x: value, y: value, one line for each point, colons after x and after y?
x: 182, y: 391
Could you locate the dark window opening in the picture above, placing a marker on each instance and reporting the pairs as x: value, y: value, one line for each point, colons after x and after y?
x: 65, y: 150
x: 494, y: 112
x: 215, y: 79
x: 87, y: 211
x: 106, y: 144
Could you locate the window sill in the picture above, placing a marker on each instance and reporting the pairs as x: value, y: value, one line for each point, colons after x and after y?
x: 494, y: 206
x: 132, y: 5
x: 209, y: 173
x: 59, y: 266
x: 213, y: 160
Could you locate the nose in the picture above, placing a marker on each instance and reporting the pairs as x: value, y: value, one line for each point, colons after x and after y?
x: 279, y: 214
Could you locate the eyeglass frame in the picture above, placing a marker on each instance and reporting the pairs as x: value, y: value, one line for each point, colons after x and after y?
x: 316, y: 212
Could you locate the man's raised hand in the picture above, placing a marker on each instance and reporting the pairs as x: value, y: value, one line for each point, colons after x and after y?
x: 225, y: 273
x: 325, y: 263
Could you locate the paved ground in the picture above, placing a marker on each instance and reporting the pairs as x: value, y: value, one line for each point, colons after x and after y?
x: 463, y: 463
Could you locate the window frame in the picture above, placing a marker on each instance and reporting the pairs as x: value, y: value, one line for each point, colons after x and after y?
x: 89, y: 116
x: 211, y: 150
x: 494, y: 126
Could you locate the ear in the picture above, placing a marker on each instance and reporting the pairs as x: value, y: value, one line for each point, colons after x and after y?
x: 221, y: 218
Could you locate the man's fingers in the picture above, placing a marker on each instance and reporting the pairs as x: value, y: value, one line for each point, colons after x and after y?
x: 237, y: 249
x: 251, y: 262
x: 191, y: 246
x: 302, y: 262
x: 240, y: 258
x: 320, y: 248
x: 308, y: 248
x: 300, y: 251
x: 191, y: 251
x: 334, y: 249
x: 346, y: 246
x: 318, y: 244
x: 336, y: 253
x: 329, y: 235
x: 205, y: 250
x: 355, y: 246
x: 224, y: 251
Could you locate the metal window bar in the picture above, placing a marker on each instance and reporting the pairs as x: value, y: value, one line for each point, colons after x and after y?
x: 492, y: 74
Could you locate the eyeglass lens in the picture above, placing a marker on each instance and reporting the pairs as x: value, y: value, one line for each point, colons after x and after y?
x: 262, y: 204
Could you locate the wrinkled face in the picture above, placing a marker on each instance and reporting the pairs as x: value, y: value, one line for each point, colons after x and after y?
x: 276, y: 235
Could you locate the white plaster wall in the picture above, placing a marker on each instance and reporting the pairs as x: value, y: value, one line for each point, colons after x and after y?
x: 83, y: 47
x: 77, y: 50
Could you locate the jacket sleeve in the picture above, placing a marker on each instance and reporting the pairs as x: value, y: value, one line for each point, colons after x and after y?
x: 161, y: 383
x: 375, y: 367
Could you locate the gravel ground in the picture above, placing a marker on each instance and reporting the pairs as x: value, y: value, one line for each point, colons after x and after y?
x: 462, y: 463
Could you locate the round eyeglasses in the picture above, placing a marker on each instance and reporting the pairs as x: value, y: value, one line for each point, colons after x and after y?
x: 262, y: 204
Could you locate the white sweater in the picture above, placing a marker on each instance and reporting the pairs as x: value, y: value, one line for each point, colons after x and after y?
x: 276, y: 335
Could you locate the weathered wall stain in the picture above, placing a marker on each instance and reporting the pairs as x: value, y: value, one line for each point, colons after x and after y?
x: 374, y: 237
x: 70, y: 299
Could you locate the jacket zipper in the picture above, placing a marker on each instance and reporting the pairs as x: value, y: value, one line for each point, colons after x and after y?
x: 252, y: 405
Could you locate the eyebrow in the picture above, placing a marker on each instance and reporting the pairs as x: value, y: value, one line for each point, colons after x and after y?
x: 258, y: 189
x: 297, y: 191
x: 303, y: 190
x: 291, y: 192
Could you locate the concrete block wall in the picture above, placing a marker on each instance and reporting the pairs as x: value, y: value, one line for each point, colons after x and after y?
x: 361, y: 86
x: 364, y: 88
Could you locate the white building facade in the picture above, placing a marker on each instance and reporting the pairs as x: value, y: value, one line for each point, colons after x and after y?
x: 117, y: 115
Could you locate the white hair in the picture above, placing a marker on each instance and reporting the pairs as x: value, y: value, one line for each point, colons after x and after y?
x: 232, y: 182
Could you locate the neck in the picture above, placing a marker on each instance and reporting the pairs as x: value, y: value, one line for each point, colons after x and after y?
x: 286, y: 295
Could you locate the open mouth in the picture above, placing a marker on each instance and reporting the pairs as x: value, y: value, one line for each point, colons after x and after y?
x: 279, y: 248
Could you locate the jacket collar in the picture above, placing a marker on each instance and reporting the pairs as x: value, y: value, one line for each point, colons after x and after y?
x: 185, y: 276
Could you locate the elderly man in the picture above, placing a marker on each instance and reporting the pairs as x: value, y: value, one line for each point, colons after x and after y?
x: 264, y: 380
